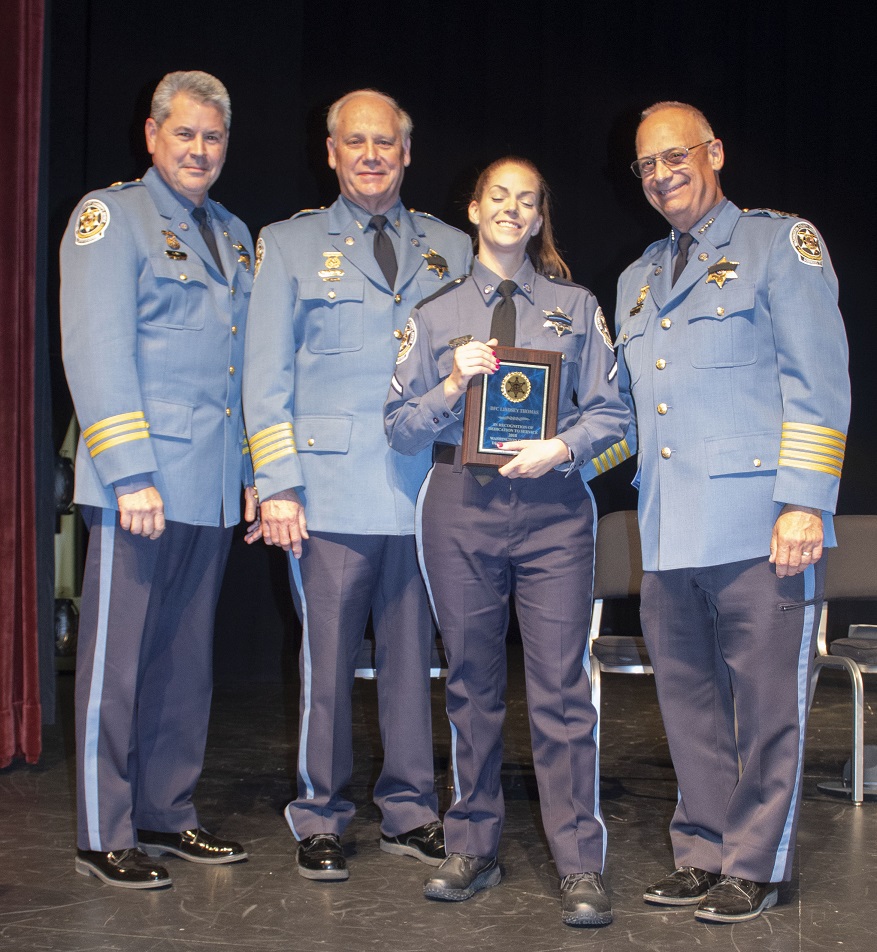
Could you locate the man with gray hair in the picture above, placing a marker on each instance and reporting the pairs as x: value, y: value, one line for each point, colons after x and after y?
x: 733, y: 357
x: 155, y: 283
x: 334, y: 290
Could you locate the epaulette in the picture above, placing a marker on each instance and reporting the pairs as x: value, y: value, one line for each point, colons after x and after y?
x: 448, y: 287
x: 118, y: 186
x: 770, y: 212
x: 564, y: 282
x: 308, y: 211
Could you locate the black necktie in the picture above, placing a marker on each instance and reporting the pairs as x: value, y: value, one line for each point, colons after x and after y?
x: 200, y: 216
x: 502, y: 325
x: 384, y: 253
x: 685, y: 240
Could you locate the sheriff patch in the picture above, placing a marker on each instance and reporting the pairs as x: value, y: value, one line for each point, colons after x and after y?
x: 603, y: 328
x: 260, y: 256
x: 805, y: 241
x: 409, y: 336
x: 93, y: 221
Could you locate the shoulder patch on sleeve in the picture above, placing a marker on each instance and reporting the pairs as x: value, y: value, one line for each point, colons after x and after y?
x: 805, y: 241
x: 260, y: 256
x: 603, y: 327
x: 93, y: 222
x: 409, y: 336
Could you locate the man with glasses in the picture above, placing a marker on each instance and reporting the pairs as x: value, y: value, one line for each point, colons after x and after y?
x: 733, y: 356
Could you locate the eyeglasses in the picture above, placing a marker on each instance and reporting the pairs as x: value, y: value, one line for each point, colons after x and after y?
x: 644, y: 167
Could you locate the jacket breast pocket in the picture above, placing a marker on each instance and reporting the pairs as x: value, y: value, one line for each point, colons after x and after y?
x: 333, y: 315
x: 180, y: 293
x: 722, y: 332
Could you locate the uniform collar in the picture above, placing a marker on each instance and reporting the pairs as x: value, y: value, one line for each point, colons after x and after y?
x: 488, y: 281
x: 345, y: 216
x: 171, y: 204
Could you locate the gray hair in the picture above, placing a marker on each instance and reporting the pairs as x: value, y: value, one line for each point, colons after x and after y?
x: 700, y: 118
x: 406, y: 126
x: 202, y: 87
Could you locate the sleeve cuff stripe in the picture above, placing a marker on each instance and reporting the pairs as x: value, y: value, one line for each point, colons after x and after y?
x: 112, y: 421
x: 830, y: 458
x: 279, y: 429
x: 612, y: 457
x: 116, y: 441
x: 792, y: 429
x: 110, y: 431
x: 789, y: 448
x: 273, y: 447
x: 800, y: 439
x: 259, y: 463
x: 816, y: 467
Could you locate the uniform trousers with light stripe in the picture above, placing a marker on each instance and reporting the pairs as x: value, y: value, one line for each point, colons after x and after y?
x: 732, y: 647
x: 144, y: 677
x: 533, y: 537
x: 339, y: 579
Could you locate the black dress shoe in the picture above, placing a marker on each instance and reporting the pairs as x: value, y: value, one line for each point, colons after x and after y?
x: 197, y: 846
x: 685, y: 886
x: 320, y: 857
x: 583, y: 900
x: 129, y: 868
x: 735, y: 900
x: 461, y: 876
x: 426, y: 843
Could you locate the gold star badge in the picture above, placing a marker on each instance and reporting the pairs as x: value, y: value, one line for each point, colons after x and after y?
x: 435, y: 262
x: 722, y: 271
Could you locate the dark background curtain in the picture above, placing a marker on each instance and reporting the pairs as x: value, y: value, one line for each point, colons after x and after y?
x: 786, y: 87
x: 21, y: 82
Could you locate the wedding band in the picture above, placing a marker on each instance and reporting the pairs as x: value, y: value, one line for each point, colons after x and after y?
x: 806, y: 554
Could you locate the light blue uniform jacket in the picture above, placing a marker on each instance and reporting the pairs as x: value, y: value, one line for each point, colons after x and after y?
x: 322, y: 340
x: 153, y: 349
x: 739, y: 385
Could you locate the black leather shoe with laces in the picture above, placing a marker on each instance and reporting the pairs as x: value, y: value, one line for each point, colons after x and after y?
x: 461, y: 876
x: 129, y: 868
x: 583, y: 900
x: 685, y: 886
x: 735, y: 900
x: 425, y: 843
x: 320, y: 857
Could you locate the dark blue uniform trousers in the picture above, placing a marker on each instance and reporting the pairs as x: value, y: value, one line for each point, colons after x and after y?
x: 144, y: 677
x: 732, y: 647
x: 479, y: 543
x: 339, y: 579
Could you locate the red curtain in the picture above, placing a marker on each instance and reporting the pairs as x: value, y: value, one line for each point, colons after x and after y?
x: 21, y: 55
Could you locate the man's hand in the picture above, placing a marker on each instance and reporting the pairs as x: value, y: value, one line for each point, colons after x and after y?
x: 251, y: 515
x: 142, y: 513
x: 796, y: 541
x: 284, y: 523
x: 535, y: 457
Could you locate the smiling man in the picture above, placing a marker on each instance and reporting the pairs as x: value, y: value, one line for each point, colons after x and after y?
x: 334, y: 289
x: 155, y: 282
x: 732, y: 354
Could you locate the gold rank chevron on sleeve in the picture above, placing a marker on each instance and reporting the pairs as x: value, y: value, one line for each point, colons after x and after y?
x: 272, y: 443
x: 121, y: 428
x: 617, y: 453
x: 807, y: 446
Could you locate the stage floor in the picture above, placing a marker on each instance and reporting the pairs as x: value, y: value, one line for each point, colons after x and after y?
x: 265, y: 905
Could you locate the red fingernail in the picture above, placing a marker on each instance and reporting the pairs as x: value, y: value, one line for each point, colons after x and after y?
x: 499, y: 445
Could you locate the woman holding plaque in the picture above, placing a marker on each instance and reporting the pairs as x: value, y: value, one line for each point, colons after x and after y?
x: 525, y: 527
